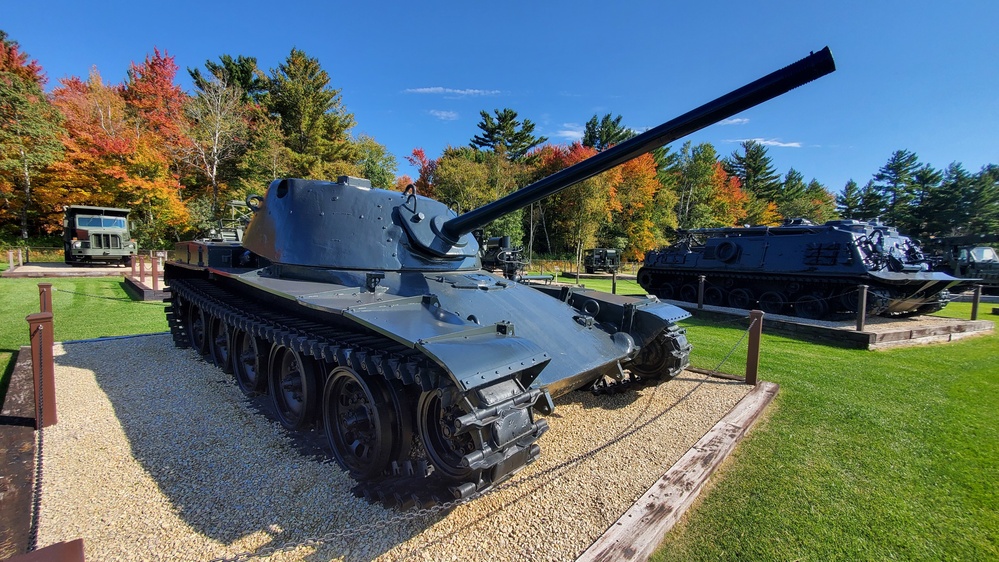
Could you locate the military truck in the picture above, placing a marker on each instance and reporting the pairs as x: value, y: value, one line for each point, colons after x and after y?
x: 969, y: 256
x: 601, y: 259
x: 97, y: 235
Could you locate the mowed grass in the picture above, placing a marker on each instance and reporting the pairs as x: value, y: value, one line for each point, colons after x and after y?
x: 83, y: 308
x: 866, y: 455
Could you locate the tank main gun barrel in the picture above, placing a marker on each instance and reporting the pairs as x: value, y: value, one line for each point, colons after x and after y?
x: 770, y: 86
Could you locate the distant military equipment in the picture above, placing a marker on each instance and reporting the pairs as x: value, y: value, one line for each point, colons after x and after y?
x: 800, y: 268
x: 601, y: 259
x: 97, y: 235
x: 969, y: 256
x: 366, y: 313
x: 498, y: 254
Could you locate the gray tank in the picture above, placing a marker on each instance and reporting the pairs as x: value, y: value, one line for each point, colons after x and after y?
x: 366, y: 314
x: 812, y: 271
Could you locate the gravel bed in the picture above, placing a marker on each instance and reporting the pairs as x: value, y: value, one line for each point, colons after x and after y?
x: 158, y: 456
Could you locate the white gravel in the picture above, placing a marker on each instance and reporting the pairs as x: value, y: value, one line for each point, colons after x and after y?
x: 158, y: 456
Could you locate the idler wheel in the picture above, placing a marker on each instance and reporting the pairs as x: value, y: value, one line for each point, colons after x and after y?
x: 436, y: 414
x: 811, y: 306
x: 714, y: 296
x: 249, y: 363
x: 666, y: 292
x: 773, y: 302
x: 220, y: 344
x: 740, y: 298
x: 361, y: 423
x: 661, y: 357
x: 198, y: 328
x: 292, y: 387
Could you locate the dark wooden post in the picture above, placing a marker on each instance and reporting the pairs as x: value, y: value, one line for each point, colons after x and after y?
x: 861, y: 307
x: 142, y: 269
x: 753, y: 353
x: 700, y: 291
x: 42, y: 367
x: 45, y: 297
x: 975, y: 300
x: 614, y: 282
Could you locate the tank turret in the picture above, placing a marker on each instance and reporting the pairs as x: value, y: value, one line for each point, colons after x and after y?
x: 365, y: 314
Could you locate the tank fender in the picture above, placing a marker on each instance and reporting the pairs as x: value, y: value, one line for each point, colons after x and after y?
x: 640, y: 317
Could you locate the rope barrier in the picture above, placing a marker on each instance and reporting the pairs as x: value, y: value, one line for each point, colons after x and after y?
x: 36, y: 492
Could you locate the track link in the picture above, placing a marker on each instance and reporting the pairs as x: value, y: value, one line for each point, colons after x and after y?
x: 411, y: 482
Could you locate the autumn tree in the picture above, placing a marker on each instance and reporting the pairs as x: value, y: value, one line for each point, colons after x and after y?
x: 29, y: 130
x: 157, y: 103
x: 376, y: 162
x: 216, y: 131
x: 605, y: 133
x: 426, y: 167
x: 507, y: 134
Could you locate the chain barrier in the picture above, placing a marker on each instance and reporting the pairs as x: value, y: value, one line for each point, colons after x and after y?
x: 36, y: 492
x: 119, y: 299
x: 738, y: 343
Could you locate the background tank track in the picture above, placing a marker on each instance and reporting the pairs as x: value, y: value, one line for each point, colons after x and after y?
x: 412, y: 481
x: 840, y: 293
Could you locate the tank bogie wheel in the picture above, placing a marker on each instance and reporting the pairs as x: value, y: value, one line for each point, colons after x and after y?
x: 220, y: 344
x: 645, y: 279
x: 436, y: 414
x: 663, y: 356
x: 740, y: 298
x: 249, y: 363
x: 666, y: 292
x: 773, y: 302
x: 292, y: 385
x: 811, y: 306
x: 361, y: 422
x: 714, y: 296
x: 688, y: 292
x: 849, y: 300
x: 197, y: 322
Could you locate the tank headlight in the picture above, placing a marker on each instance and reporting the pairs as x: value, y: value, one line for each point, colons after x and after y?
x: 77, y: 244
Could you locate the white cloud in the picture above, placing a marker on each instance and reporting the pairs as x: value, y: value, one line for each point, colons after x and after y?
x: 768, y: 142
x: 444, y: 115
x: 451, y: 91
x: 570, y: 131
x: 734, y: 121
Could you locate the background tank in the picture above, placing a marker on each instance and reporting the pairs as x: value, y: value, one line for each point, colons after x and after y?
x: 366, y: 313
x: 809, y: 270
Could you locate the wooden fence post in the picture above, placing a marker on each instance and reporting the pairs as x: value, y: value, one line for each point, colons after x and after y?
x: 154, y: 262
x: 20, y: 257
x: 142, y: 269
x: 10, y: 258
x: 861, y: 307
x: 753, y: 353
x: 700, y: 291
x: 45, y: 297
x: 43, y: 368
x: 975, y: 300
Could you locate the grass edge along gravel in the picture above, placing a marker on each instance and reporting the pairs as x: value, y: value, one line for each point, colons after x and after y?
x: 868, y: 455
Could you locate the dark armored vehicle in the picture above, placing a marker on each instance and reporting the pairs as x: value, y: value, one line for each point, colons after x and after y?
x: 366, y: 313
x: 799, y: 268
x: 969, y: 256
x: 601, y: 259
x: 498, y: 254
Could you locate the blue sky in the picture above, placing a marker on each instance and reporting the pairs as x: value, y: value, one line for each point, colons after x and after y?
x: 915, y: 75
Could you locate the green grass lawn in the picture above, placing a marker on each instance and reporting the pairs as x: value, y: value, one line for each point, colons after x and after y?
x: 866, y: 455
x: 83, y: 308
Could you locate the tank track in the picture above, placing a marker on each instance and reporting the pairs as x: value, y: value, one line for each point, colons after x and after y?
x: 410, y: 482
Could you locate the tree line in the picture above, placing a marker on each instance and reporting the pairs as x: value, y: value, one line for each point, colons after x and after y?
x: 175, y: 158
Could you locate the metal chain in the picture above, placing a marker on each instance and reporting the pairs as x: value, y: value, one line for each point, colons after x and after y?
x: 737, y: 344
x: 36, y: 492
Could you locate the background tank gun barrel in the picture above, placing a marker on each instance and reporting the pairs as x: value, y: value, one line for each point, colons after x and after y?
x: 770, y: 86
